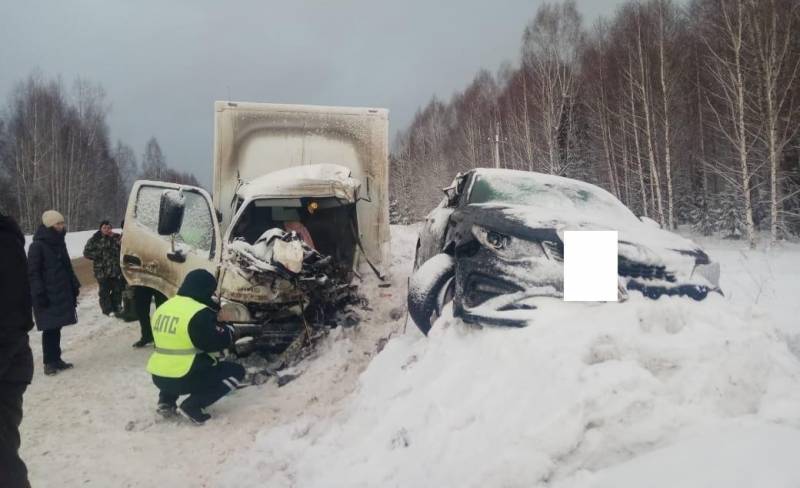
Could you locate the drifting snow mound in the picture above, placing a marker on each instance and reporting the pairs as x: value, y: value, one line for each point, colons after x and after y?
x: 584, y: 387
x: 735, y: 455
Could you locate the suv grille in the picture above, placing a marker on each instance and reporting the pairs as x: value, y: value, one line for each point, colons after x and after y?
x: 626, y: 267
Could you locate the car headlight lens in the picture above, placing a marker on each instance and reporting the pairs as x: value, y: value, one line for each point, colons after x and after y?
x: 511, y: 248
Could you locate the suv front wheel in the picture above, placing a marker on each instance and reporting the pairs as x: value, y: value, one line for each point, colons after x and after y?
x: 430, y: 287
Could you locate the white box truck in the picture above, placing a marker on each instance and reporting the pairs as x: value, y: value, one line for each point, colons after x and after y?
x: 299, y: 206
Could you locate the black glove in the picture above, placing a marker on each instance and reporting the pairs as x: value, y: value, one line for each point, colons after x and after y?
x: 41, y: 301
x: 230, y: 330
x: 247, y: 330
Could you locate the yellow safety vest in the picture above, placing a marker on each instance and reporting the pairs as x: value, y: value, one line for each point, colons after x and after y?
x: 175, y: 353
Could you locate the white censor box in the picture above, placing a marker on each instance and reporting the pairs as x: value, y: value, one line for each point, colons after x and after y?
x: 590, y: 266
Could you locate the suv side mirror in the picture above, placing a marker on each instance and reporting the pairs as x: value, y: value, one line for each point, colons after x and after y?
x: 451, y: 193
x: 170, y: 212
x: 454, y: 191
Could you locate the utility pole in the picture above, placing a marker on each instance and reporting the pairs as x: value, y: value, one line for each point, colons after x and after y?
x: 495, y: 141
x: 496, y: 144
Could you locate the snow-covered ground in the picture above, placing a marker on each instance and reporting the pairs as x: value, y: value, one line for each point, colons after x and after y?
x: 643, y: 393
x: 95, y: 425
x: 75, y: 241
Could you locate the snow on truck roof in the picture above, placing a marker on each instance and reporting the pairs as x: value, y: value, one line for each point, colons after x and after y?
x: 294, y: 108
x: 314, y: 180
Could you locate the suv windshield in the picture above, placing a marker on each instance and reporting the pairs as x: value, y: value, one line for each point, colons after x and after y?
x: 546, y: 192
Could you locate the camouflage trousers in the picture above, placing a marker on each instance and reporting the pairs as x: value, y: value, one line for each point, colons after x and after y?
x: 110, y: 293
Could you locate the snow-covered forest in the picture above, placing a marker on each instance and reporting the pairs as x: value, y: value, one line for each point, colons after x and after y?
x: 688, y: 112
x: 56, y: 153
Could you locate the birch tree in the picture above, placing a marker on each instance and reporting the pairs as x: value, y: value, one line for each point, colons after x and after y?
x: 665, y: 8
x: 550, y: 50
x: 772, y: 25
x: 727, y: 67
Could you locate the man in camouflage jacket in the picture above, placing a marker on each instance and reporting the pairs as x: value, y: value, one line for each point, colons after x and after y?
x: 103, y: 249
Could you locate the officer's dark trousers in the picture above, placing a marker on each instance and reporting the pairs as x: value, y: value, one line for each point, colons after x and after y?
x: 13, y: 473
x: 204, y: 387
x: 110, y: 291
x: 142, y: 297
x: 51, y: 346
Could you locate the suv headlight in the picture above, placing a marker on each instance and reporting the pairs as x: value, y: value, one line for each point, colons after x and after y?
x: 507, y: 247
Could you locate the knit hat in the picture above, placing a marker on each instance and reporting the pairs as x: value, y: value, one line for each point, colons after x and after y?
x: 51, y: 218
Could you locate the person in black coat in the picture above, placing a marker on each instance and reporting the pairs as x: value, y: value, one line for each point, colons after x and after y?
x: 16, y: 360
x: 54, y: 288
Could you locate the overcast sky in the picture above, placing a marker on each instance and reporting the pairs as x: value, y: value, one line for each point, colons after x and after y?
x: 163, y: 63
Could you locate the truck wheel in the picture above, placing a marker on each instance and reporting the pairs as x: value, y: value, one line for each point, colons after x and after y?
x: 426, y: 289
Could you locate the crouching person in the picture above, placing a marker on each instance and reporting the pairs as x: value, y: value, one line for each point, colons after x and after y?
x: 185, y: 331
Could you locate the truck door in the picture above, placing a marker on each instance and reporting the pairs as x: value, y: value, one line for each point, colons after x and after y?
x: 162, y: 261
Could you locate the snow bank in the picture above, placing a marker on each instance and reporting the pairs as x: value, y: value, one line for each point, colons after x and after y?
x: 763, y: 282
x: 571, y: 400
x: 738, y: 455
x: 76, y: 241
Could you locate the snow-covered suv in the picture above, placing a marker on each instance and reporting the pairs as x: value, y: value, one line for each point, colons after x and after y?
x: 494, y: 245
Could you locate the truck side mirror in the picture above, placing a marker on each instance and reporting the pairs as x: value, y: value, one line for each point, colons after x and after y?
x: 170, y: 212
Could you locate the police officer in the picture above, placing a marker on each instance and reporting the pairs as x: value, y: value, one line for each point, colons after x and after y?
x: 185, y: 332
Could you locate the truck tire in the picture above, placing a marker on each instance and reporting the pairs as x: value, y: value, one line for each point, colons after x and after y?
x: 425, y: 286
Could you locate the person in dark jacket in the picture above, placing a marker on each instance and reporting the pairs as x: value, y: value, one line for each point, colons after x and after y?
x: 103, y: 250
x: 16, y: 360
x: 54, y: 288
x: 185, y: 331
